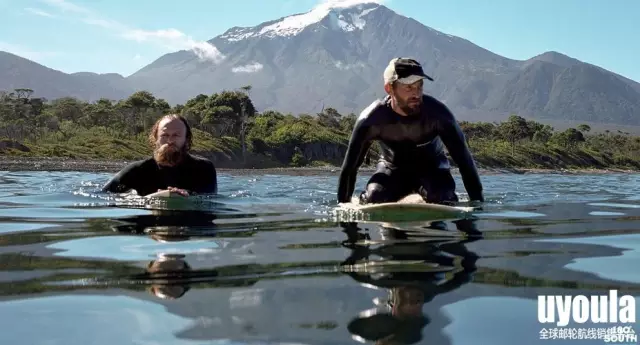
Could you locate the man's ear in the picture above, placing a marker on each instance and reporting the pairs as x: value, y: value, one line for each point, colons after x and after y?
x: 388, y: 88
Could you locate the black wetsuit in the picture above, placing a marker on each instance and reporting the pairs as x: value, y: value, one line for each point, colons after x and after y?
x: 194, y: 174
x: 413, y: 158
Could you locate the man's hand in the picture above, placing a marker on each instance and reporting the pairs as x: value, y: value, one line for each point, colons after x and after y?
x: 182, y: 192
x: 476, y: 204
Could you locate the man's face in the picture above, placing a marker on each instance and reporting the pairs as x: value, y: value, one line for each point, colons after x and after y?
x: 409, y: 302
x: 408, y: 97
x: 170, y: 143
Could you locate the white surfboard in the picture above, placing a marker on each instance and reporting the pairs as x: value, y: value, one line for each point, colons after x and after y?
x: 169, y: 200
x: 410, y: 202
x: 163, y: 194
x: 410, y: 206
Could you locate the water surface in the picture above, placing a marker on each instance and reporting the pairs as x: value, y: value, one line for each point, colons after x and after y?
x: 269, y: 262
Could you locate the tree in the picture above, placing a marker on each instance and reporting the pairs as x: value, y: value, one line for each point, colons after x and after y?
x: 514, y: 129
x: 140, y: 103
x: 23, y: 93
x: 216, y: 119
x: 195, y: 108
x: 348, y: 122
x: 569, y: 138
x: 542, y: 133
x: 241, y: 104
x: 101, y: 113
x: 480, y: 130
x: 243, y: 116
x: 584, y: 128
x: 542, y: 136
x: 162, y: 106
x: 68, y: 109
x: 330, y: 118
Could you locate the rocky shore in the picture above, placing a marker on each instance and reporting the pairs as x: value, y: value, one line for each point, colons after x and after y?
x: 111, y: 166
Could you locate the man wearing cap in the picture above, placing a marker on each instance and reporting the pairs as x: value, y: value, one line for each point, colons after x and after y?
x: 411, y: 128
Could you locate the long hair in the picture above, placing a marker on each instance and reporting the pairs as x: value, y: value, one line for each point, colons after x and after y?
x: 153, y: 135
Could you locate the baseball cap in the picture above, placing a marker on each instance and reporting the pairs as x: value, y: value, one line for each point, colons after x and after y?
x: 405, y: 71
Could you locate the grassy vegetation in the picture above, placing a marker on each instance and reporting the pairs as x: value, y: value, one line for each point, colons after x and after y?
x: 518, y: 143
x: 228, y: 130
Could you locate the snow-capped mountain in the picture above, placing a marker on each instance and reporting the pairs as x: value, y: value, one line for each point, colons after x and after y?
x: 334, y: 56
x: 334, y: 17
x: 331, y: 56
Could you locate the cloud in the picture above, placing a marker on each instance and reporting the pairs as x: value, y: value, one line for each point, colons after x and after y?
x: 38, y: 12
x: 26, y: 52
x: 176, y: 40
x: 171, y: 39
x: 66, y: 6
x: 250, y: 68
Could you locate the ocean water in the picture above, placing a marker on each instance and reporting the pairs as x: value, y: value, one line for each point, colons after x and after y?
x: 268, y: 261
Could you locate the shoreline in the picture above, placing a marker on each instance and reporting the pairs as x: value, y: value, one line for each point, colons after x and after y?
x: 12, y: 163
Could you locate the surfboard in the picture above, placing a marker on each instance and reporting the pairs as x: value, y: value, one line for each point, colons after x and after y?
x: 174, y: 201
x: 411, y: 207
x: 163, y: 194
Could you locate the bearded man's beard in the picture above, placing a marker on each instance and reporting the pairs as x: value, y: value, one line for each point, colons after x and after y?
x: 169, y: 154
x: 409, y: 106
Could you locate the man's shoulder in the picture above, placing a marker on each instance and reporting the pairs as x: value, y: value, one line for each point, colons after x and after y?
x: 377, y: 107
x: 201, y: 160
x: 142, y: 163
x: 433, y: 105
x: 432, y: 101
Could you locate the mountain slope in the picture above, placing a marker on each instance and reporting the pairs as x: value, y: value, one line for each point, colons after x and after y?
x: 17, y: 72
x: 333, y: 61
x: 334, y: 56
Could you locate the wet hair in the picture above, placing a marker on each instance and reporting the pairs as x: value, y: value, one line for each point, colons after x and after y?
x: 153, y: 136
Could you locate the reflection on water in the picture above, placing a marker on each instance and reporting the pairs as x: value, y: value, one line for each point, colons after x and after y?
x: 166, y: 275
x: 269, y: 265
x: 399, y: 318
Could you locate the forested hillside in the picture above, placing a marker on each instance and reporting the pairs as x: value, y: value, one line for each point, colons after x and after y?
x: 228, y: 130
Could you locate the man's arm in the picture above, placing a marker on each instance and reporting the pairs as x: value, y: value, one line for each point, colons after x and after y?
x: 454, y: 139
x: 205, y: 177
x: 210, y: 185
x: 123, y: 181
x: 358, y: 145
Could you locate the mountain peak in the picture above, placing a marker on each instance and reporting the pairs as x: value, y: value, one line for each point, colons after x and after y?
x: 556, y: 58
x: 346, y: 15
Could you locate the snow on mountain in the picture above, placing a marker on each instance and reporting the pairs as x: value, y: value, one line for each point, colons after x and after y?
x: 334, y: 54
x: 343, y: 15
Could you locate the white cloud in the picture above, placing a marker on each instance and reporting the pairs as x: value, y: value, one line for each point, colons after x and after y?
x: 176, y: 40
x: 171, y: 39
x: 66, y: 6
x: 250, y: 68
x: 38, y: 12
x: 142, y: 35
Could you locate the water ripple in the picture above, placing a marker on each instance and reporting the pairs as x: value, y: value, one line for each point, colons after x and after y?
x: 265, y: 261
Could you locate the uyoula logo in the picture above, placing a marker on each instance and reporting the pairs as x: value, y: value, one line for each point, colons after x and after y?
x: 598, y: 309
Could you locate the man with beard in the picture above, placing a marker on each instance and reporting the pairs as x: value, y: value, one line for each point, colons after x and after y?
x: 411, y: 128
x: 171, y: 168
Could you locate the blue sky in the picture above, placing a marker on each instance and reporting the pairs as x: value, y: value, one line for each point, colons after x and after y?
x: 122, y: 36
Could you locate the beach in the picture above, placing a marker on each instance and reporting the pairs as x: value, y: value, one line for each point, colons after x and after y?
x: 12, y: 163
